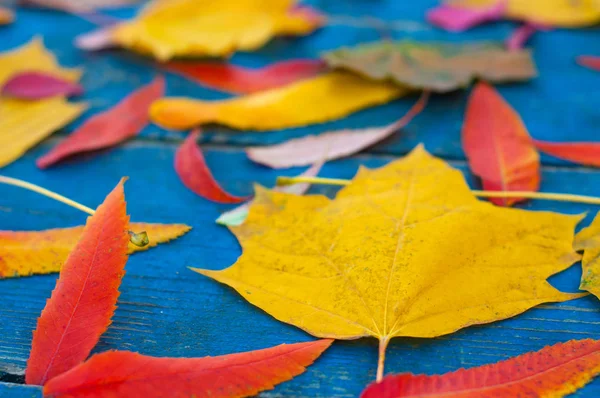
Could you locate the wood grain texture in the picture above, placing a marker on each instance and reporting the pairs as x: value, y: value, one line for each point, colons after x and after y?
x: 167, y: 310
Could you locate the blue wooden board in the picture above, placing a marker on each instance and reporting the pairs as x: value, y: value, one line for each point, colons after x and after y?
x: 167, y: 310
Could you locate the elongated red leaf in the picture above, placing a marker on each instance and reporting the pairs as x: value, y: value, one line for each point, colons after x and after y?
x: 38, y: 85
x: 520, y: 36
x: 589, y: 61
x: 498, y: 146
x: 85, y: 296
x: 458, y: 19
x: 554, y: 371
x: 195, y: 174
x: 123, y: 121
x: 131, y: 375
x: 330, y: 145
x: 240, y: 80
x: 587, y: 153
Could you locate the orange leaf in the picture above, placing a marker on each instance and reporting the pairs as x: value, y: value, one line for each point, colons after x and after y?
x: 587, y: 153
x: 24, y: 253
x: 589, y: 61
x: 554, y: 371
x: 131, y: 375
x: 85, y: 296
x: 498, y: 146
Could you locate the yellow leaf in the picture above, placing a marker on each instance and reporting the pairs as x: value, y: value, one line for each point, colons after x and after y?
x: 33, y: 56
x: 404, y: 250
x: 44, y: 252
x: 209, y: 28
x: 25, y: 123
x: 317, y: 100
x: 588, y: 241
x: 567, y: 13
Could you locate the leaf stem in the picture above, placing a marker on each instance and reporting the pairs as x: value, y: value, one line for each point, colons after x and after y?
x: 561, y: 197
x: 383, y: 343
x: 139, y: 239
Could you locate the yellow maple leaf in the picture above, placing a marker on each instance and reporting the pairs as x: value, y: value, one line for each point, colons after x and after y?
x: 24, y: 123
x: 24, y: 253
x: 317, y: 100
x: 567, y: 13
x: 404, y: 250
x: 588, y: 241
x: 167, y: 29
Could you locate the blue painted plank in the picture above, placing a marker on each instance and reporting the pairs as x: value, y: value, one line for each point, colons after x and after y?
x: 19, y: 391
x: 560, y: 105
x: 167, y: 310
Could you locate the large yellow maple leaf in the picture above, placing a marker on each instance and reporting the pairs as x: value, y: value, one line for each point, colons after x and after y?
x: 24, y: 123
x: 404, y: 250
x: 567, y: 13
x: 320, y: 99
x: 24, y: 253
x: 173, y: 28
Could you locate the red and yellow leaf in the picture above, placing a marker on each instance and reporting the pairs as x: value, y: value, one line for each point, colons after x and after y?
x: 195, y: 174
x: 587, y: 153
x: 123, y: 121
x: 85, y: 297
x: 498, y: 146
x: 240, y: 80
x: 24, y: 253
x: 554, y: 371
x: 131, y: 375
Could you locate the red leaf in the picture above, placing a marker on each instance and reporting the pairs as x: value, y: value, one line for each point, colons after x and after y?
x: 38, y: 85
x: 589, y: 61
x: 131, y: 375
x: 85, y: 295
x: 520, y: 36
x: 330, y: 145
x: 194, y: 173
x: 458, y: 19
x: 498, y: 146
x: 240, y: 80
x: 123, y: 121
x: 556, y: 370
x: 587, y: 153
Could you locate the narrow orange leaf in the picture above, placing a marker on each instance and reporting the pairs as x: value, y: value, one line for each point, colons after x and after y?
x: 131, y: 375
x: 587, y: 153
x: 589, y: 61
x: 85, y: 297
x: 24, y: 253
x: 554, y: 371
x: 498, y: 146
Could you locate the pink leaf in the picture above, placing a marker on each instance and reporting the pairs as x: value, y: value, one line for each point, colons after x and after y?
x: 522, y: 34
x: 37, y: 85
x: 589, y: 61
x: 194, y: 173
x: 95, y: 40
x: 331, y: 145
x: 458, y: 19
x: 123, y: 121
x: 240, y: 80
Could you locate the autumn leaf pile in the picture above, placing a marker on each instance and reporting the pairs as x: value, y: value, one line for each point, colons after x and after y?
x: 405, y: 250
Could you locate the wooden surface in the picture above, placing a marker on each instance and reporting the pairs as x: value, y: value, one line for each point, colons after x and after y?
x: 167, y: 310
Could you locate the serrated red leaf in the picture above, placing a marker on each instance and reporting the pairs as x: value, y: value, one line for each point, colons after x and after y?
x: 554, y: 371
x: 131, y: 375
x: 195, y: 174
x: 587, y: 153
x: 498, y: 146
x: 85, y: 296
x: 119, y: 123
x: 37, y: 85
x: 589, y: 61
x: 240, y: 80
